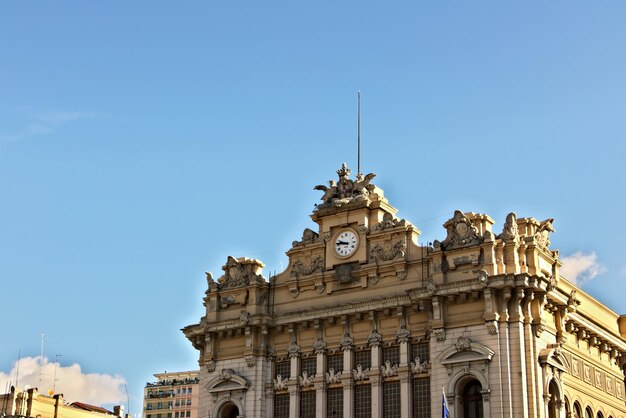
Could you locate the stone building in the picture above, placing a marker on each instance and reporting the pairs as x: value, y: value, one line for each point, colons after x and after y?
x: 31, y: 403
x: 366, y: 322
x: 172, y: 395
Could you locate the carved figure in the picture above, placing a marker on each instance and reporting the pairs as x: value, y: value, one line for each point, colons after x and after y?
x: 419, y: 366
x: 306, y: 380
x: 388, y: 370
x: 542, y: 236
x: 462, y: 344
x: 280, y: 383
x: 389, y: 222
x: 510, y: 231
x: 346, y: 190
x: 244, y: 317
x: 332, y: 377
x: 360, y: 374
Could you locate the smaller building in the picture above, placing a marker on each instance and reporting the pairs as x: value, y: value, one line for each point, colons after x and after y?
x: 173, y: 395
x: 31, y: 403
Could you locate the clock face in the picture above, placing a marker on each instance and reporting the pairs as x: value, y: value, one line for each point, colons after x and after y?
x: 346, y: 243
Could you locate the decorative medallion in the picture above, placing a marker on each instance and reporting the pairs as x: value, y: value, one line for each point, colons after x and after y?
x: 307, y: 266
x: 403, y: 334
x: 387, y: 251
x: 344, y: 273
x: 346, y: 342
x: 293, y: 350
x: 374, y: 339
x: 461, y: 233
x: 319, y: 347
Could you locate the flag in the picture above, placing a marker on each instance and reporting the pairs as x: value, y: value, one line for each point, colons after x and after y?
x: 444, y: 405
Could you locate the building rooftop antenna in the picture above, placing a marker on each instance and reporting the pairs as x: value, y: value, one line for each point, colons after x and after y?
x: 358, y: 166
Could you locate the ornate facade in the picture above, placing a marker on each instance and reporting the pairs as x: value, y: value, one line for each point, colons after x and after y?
x: 366, y: 322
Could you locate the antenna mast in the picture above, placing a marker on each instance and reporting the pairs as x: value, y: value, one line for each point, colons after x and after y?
x: 41, y: 358
x: 358, y: 167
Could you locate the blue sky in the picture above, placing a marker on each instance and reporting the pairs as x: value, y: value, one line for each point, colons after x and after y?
x: 141, y: 143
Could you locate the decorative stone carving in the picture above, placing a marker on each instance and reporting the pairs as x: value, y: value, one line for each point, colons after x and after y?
x: 387, y: 251
x: 280, y: 383
x: 492, y: 327
x: 225, y: 301
x: 440, y: 334
x: 307, y: 266
x: 211, y: 284
x: 332, y: 377
x: 308, y: 237
x: 363, y: 230
x: 320, y: 288
x: 344, y: 273
x: 403, y: 334
x: 240, y: 272
x: 346, y: 190
x: 293, y: 350
x: 389, y: 222
x: 542, y: 236
x: 483, y: 276
x: 269, y: 352
x: 389, y: 370
x: 326, y: 236
x: 510, y: 232
x: 226, y: 375
x: 618, y: 389
x: 346, y: 342
x: 360, y: 374
x: 572, y: 302
x: 244, y: 317
x: 419, y: 366
x: 586, y: 373
x: 431, y: 287
x: 210, y: 365
x: 372, y: 278
x: 375, y: 338
x: 319, y: 347
x: 462, y: 343
x: 250, y: 360
x: 539, y: 329
x: 306, y: 380
x: 461, y: 233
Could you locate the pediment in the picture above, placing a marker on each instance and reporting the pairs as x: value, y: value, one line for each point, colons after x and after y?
x: 465, y: 351
x: 227, y: 380
x: 555, y: 358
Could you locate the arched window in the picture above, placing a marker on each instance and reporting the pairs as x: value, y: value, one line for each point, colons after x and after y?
x: 588, y: 412
x: 600, y: 415
x: 472, y: 400
x: 553, y: 403
x: 568, y: 411
x: 577, y: 410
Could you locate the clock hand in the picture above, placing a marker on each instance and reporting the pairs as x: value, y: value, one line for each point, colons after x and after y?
x: 338, y: 243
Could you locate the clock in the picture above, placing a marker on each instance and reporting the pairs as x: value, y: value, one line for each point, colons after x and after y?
x: 346, y: 243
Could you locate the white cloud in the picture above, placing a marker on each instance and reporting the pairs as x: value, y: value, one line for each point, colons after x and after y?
x: 76, y: 386
x: 580, y: 268
x: 45, y: 123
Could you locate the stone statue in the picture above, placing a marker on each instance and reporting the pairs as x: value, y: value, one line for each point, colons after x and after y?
x: 346, y: 190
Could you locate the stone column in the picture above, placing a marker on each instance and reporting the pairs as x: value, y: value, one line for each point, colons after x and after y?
x: 346, y: 376
x: 293, y: 385
x: 320, y: 378
x: 376, y: 380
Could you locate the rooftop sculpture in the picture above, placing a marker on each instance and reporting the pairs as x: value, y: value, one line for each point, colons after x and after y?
x: 346, y: 190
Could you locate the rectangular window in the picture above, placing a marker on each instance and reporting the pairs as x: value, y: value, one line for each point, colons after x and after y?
x: 169, y: 405
x: 188, y: 401
x: 149, y: 407
x: 188, y: 414
x: 158, y: 415
x: 307, y: 404
x: 178, y: 391
x: 149, y: 416
x: 281, y: 405
x: 309, y: 365
x: 184, y: 391
x: 421, y: 397
x: 421, y: 350
x: 177, y: 402
x: 189, y: 391
x: 362, y: 401
x: 176, y: 414
x: 335, y: 362
x: 391, y: 399
x: 159, y: 405
x: 391, y: 354
x: 169, y: 415
x: 364, y: 358
x: 334, y: 403
x: 283, y: 368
